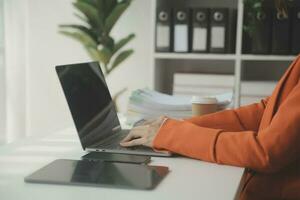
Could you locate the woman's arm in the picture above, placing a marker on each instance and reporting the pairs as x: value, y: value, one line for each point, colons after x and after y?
x: 241, y: 119
x: 267, y: 150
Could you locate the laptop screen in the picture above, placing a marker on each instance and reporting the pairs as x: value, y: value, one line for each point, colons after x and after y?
x: 89, y: 101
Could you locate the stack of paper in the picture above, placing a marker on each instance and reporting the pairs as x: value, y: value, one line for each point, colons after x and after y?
x: 148, y: 104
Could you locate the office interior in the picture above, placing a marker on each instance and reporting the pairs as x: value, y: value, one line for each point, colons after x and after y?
x: 233, y: 56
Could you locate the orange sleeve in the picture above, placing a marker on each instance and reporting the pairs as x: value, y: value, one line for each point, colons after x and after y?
x: 241, y: 119
x: 267, y: 150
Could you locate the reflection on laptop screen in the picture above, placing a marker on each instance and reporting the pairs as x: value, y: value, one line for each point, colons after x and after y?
x: 89, y: 101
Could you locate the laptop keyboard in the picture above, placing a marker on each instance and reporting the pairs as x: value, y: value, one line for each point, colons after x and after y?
x: 113, y: 142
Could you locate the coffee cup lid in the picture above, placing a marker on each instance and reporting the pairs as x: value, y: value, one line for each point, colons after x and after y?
x: 204, y: 100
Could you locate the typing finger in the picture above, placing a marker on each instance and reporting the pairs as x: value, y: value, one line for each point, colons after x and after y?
x: 134, y: 133
x: 135, y: 142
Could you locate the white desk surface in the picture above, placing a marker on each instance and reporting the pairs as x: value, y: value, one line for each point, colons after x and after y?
x: 188, y: 179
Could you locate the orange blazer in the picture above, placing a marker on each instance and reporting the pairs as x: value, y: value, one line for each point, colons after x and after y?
x: 263, y: 137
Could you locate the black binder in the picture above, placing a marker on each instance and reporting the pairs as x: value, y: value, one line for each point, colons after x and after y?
x: 261, y: 39
x: 199, y: 30
x: 231, y: 31
x: 218, y: 30
x: 281, y: 33
x: 246, y: 38
x: 181, y: 30
x: 164, y: 30
x: 295, y: 32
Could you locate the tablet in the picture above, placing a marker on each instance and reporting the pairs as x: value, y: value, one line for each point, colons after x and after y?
x: 98, y: 173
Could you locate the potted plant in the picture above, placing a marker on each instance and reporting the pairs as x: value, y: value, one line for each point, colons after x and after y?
x: 98, y: 17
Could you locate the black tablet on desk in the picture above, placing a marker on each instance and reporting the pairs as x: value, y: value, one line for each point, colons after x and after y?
x: 98, y: 173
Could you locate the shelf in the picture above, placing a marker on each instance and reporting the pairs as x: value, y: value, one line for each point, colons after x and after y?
x: 195, y: 56
x: 268, y: 57
x: 206, y: 56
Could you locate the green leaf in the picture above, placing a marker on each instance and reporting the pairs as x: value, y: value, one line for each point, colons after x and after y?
x: 96, y: 55
x: 91, y: 13
x: 82, y: 18
x: 91, y: 2
x: 109, y: 43
x: 81, y: 28
x: 115, y: 15
x: 121, y: 43
x: 106, y: 54
x: 100, y: 6
x: 120, y: 58
x: 109, y: 6
x: 82, y: 37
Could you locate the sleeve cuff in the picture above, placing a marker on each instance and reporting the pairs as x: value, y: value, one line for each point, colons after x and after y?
x: 187, y: 139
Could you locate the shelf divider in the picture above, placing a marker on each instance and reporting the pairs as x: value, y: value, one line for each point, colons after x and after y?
x: 268, y: 57
x: 195, y: 56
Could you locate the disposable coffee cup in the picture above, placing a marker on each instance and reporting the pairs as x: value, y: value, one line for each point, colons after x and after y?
x: 204, y: 105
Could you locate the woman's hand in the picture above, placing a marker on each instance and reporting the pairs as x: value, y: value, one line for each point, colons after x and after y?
x: 144, y: 134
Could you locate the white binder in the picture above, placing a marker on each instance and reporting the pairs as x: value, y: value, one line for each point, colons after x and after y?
x: 163, y: 31
x: 199, y: 30
x: 181, y: 30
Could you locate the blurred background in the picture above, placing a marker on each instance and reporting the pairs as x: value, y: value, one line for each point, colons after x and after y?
x: 184, y: 47
x: 31, y: 98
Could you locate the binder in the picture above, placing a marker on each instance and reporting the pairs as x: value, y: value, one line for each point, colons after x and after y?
x: 281, y: 33
x: 164, y: 30
x: 295, y: 31
x: 261, y: 39
x: 218, y: 30
x: 231, y: 31
x: 199, y: 30
x: 246, y: 38
x: 181, y: 30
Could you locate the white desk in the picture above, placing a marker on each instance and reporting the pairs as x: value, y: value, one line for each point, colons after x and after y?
x: 188, y: 179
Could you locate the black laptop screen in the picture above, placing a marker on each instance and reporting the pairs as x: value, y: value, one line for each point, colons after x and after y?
x: 89, y: 101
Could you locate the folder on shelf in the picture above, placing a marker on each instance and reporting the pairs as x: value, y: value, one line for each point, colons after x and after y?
x: 261, y: 39
x: 181, y: 30
x: 164, y: 30
x: 199, y: 30
x: 295, y: 36
x: 246, y: 38
x: 281, y: 33
x: 231, y: 31
x: 218, y: 30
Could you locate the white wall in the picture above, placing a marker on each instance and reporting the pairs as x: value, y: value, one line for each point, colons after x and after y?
x: 15, y: 18
x: 46, y: 107
x: 2, y: 77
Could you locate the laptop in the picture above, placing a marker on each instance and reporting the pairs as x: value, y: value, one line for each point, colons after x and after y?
x: 93, y: 110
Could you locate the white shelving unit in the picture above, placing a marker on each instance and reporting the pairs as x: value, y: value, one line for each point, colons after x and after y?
x: 194, y: 56
x: 236, y: 62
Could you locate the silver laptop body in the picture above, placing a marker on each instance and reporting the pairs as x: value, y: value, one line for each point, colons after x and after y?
x: 93, y: 110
